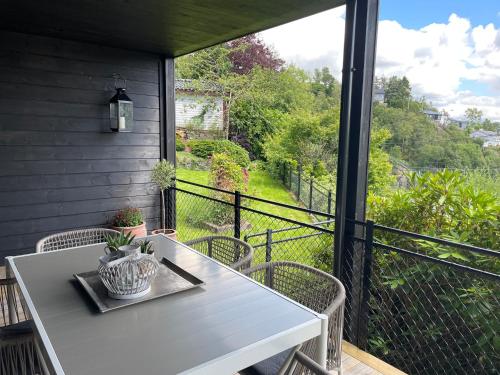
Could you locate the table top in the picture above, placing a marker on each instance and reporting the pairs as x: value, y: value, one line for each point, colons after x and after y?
x: 228, y: 324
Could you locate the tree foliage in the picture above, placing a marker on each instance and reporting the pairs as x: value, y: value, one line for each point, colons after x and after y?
x: 249, y: 52
x: 473, y: 115
x: 397, y: 92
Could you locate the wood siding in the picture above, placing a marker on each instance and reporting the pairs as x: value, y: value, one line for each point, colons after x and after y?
x: 59, y: 168
x: 199, y: 112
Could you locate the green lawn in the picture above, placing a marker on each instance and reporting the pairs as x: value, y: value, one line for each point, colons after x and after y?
x: 261, y: 185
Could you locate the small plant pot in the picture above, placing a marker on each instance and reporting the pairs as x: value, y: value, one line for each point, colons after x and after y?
x: 127, y: 250
x: 127, y: 277
x: 170, y: 233
x: 138, y: 231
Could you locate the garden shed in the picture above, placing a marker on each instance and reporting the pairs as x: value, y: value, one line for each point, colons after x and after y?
x: 200, y: 110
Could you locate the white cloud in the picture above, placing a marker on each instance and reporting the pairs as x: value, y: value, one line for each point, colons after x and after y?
x: 312, y: 42
x: 437, y: 58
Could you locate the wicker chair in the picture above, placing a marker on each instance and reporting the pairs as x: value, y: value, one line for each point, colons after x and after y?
x: 73, y: 238
x: 18, y: 354
x: 315, y: 289
x: 230, y: 251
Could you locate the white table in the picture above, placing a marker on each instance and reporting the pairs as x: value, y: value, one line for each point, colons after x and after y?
x: 222, y: 327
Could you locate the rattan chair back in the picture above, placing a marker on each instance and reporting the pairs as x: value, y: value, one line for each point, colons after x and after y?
x: 314, y: 289
x: 73, y: 238
x: 17, y: 346
x: 11, y: 307
x: 230, y: 251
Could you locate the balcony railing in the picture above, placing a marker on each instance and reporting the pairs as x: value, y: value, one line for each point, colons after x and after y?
x: 423, y: 304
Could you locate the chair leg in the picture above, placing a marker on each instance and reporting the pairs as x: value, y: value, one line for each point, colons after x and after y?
x: 41, y: 359
x: 321, y: 348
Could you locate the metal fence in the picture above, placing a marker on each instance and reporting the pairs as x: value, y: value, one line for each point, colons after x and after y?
x: 428, y: 305
x: 422, y: 304
x: 307, y: 190
x: 296, y: 234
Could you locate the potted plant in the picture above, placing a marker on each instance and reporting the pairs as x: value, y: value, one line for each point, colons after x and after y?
x: 163, y: 175
x: 128, y: 268
x: 129, y: 220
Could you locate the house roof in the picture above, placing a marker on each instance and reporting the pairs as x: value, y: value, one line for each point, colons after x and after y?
x: 170, y: 27
x: 431, y: 113
x: 194, y: 85
x: 483, y: 134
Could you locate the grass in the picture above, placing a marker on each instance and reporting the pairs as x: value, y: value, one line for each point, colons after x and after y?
x: 262, y: 185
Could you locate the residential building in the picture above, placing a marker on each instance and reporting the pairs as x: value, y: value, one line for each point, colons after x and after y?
x: 378, y: 95
x: 489, y: 138
x: 200, y: 109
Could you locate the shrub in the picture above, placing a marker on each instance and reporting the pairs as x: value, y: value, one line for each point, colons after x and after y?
x: 179, y: 143
x: 163, y: 175
x: 225, y: 174
x: 189, y: 161
x: 128, y: 217
x: 207, y: 148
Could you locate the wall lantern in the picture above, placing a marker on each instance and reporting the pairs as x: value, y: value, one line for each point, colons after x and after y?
x: 121, y: 111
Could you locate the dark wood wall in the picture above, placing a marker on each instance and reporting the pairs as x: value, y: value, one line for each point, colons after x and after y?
x: 58, y: 169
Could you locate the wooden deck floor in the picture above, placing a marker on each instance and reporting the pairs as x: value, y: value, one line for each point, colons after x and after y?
x: 357, y: 362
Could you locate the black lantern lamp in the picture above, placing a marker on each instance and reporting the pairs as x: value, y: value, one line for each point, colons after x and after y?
x: 121, y: 112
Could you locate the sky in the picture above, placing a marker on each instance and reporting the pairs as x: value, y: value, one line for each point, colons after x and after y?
x: 448, y: 49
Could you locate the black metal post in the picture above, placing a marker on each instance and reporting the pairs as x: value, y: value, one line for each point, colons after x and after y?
x: 290, y: 177
x: 167, y: 130
x: 329, y: 202
x: 311, y: 182
x: 269, y: 245
x: 299, y: 180
x: 354, y: 142
x: 363, y: 316
x: 237, y: 214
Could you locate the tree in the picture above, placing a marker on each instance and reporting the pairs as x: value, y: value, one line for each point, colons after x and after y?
x: 326, y: 88
x: 267, y: 97
x: 398, y: 92
x: 210, y: 64
x: 473, y: 115
x: 248, y: 52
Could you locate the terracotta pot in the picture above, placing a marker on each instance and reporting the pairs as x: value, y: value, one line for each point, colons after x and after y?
x: 138, y: 231
x: 170, y: 233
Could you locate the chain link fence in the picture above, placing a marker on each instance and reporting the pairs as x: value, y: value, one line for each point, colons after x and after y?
x: 203, y: 212
x: 307, y: 190
x: 424, y: 305
x: 433, y: 306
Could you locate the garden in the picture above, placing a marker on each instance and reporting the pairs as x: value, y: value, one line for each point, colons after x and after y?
x: 423, y: 178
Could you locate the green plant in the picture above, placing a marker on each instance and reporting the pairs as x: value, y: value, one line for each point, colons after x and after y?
x: 128, y: 217
x: 163, y: 175
x: 114, y: 241
x: 225, y: 174
x: 179, y: 143
x: 207, y: 148
x: 146, y: 246
x: 189, y: 161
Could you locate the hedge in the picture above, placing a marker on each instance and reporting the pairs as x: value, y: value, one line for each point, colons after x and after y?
x: 206, y: 148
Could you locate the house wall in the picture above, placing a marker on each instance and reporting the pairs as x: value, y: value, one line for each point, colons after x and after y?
x: 190, y: 109
x: 59, y: 169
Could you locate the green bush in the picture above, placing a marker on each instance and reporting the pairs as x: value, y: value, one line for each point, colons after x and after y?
x: 179, y: 143
x: 206, y: 148
x: 187, y: 160
x: 225, y: 174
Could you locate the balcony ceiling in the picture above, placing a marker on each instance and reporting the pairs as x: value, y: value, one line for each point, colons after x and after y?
x: 170, y: 27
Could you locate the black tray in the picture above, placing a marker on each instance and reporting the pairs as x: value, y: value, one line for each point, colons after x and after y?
x: 170, y: 279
